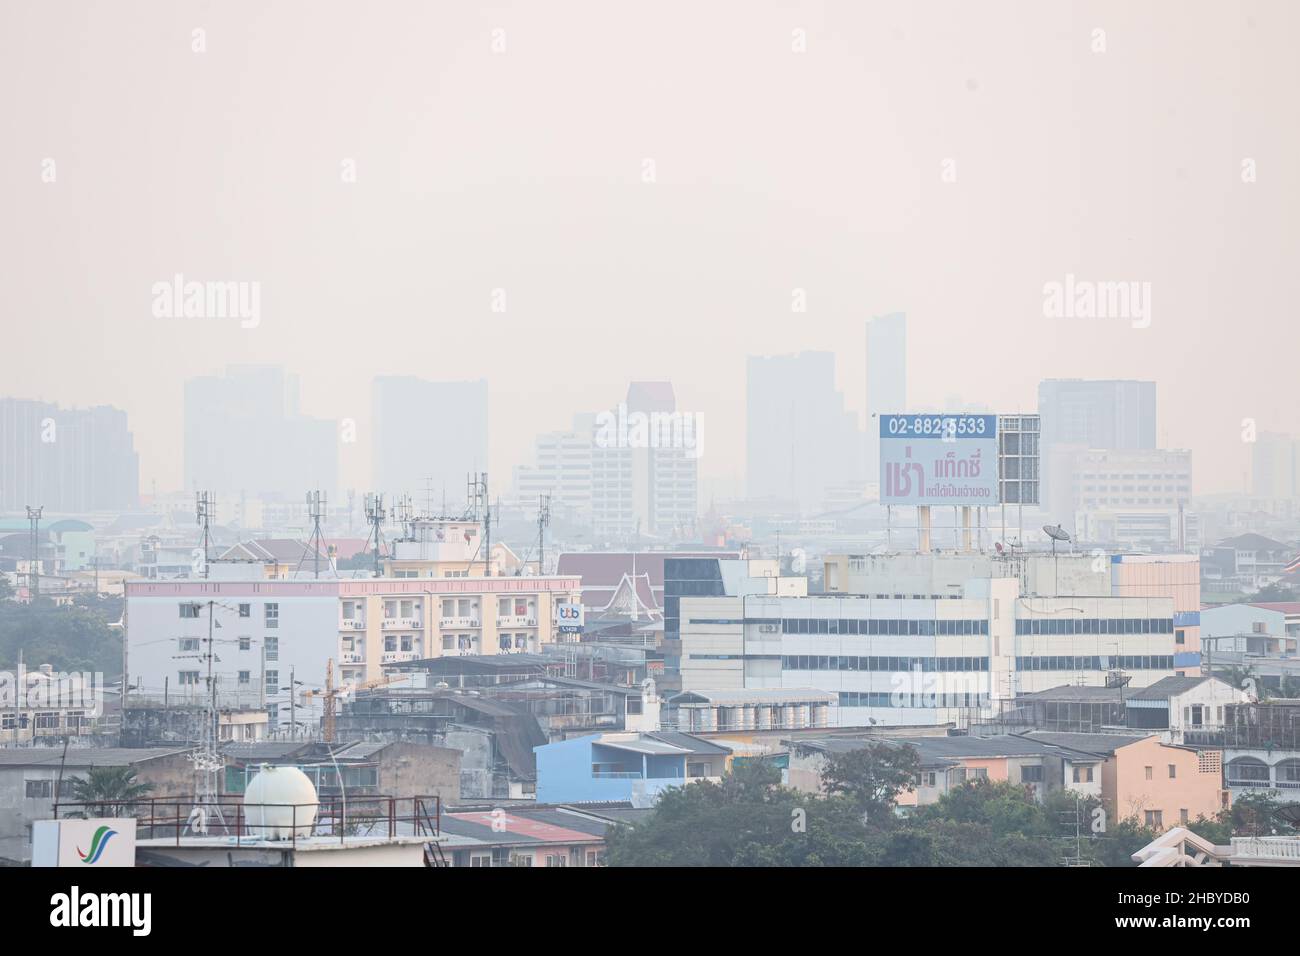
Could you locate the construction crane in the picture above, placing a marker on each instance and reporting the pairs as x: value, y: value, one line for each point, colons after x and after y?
x: 330, y: 694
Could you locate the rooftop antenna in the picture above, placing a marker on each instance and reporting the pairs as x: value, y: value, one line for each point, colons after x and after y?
x: 316, y: 508
x: 208, y: 765
x: 205, y: 505
x: 1056, y: 533
x: 404, y: 510
x: 476, y: 490
x: 543, y: 519
x: 375, y: 518
x: 34, y: 574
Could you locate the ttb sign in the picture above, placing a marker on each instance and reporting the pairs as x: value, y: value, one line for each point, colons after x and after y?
x: 938, y: 459
x: 570, y: 618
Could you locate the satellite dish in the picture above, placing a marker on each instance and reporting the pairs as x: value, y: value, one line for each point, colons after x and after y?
x: 1056, y: 532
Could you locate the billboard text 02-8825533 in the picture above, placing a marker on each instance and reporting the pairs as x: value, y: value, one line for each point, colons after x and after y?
x: 938, y: 459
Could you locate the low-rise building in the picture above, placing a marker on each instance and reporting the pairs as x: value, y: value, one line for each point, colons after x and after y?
x: 946, y: 763
x: 634, y: 767
x: 1143, y: 778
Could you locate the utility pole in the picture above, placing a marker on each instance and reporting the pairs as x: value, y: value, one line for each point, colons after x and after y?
x: 34, y: 575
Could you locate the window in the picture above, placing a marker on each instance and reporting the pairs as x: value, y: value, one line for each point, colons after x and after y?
x: 245, y: 643
x: 521, y: 859
x: 480, y: 859
x: 1182, y: 815
x: 1148, y: 772
x: 1083, y: 775
x: 189, y: 677
x: 1173, y: 771
x: 448, y: 642
x: 245, y: 610
x: 39, y: 789
x: 272, y: 645
x: 245, y: 677
x: 272, y: 680
x: 1155, y: 818
x: 555, y: 859
x: 928, y: 778
x: 1031, y: 774
x: 188, y: 644
x: 697, y: 769
x: 272, y: 615
x: 189, y: 610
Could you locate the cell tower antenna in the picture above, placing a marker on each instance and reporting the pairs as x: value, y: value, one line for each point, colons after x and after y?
x: 317, y: 507
x: 375, y: 516
x: 208, y: 765
x: 34, y: 573
x: 205, y: 506
x: 543, y: 519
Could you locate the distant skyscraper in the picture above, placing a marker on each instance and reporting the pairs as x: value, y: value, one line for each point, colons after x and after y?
x: 428, y: 437
x: 66, y: 460
x: 1275, y: 466
x: 645, y: 465
x: 800, y: 439
x: 886, y: 380
x: 1098, y: 414
x: 243, y: 433
x: 1082, y: 415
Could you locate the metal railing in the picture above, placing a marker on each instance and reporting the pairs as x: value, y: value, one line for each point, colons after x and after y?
x: 178, y: 818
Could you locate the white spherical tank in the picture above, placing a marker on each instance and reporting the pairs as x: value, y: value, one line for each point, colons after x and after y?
x: 280, y: 803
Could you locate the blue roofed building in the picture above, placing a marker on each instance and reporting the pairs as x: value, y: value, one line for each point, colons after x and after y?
x: 635, y: 767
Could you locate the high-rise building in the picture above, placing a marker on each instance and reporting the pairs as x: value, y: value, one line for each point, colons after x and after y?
x: 628, y: 471
x: 800, y: 439
x: 243, y: 433
x: 562, y: 470
x: 428, y: 438
x: 1080, y: 415
x: 645, y: 465
x: 1098, y: 414
x: 66, y: 460
x: 886, y: 380
x: 1275, y: 466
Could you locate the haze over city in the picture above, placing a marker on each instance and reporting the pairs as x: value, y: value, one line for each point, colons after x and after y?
x: 519, y: 167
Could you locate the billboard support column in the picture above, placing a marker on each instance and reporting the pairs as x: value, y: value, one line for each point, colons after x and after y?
x: 965, y: 528
x: 923, y: 531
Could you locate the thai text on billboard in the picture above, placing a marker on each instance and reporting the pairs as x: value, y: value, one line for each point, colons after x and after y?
x: 938, y: 459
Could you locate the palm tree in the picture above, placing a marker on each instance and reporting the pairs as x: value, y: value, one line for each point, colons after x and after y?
x: 111, y: 788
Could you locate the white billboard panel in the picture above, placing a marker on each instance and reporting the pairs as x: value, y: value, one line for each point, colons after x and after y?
x: 938, y: 460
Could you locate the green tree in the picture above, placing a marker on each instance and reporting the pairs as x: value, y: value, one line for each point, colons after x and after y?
x: 113, y: 787
x: 872, y: 776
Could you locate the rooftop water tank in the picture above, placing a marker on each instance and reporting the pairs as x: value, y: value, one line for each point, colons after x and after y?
x: 280, y: 803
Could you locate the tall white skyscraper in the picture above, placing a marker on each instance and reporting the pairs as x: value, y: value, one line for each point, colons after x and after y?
x: 886, y: 380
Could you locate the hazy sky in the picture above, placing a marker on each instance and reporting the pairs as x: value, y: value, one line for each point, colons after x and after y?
x: 523, y: 171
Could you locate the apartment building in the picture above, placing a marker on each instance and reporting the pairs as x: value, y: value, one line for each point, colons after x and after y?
x: 265, y: 633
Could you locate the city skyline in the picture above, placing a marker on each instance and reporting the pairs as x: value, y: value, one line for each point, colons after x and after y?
x: 377, y: 249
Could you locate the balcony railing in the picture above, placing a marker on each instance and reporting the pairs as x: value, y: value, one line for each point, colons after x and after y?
x: 458, y: 622
x: 352, y: 624
x: 1268, y: 848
